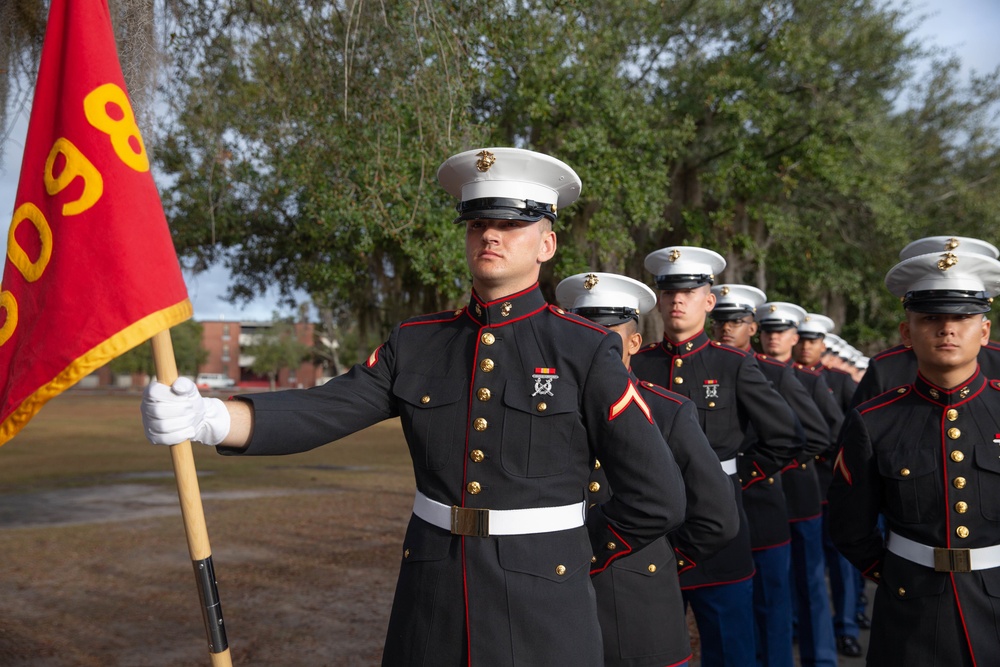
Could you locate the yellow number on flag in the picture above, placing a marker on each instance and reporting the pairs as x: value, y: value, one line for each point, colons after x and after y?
x: 98, y: 106
x: 76, y: 165
x: 9, y: 305
x: 31, y: 271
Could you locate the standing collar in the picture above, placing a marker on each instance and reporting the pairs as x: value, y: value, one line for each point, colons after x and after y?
x: 507, y: 309
x: 931, y: 392
x: 685, y: 346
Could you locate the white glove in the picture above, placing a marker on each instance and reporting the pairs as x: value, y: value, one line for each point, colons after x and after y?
x: 177, y: 413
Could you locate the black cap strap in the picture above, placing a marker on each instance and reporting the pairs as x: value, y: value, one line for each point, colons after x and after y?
x: 607, y: 315
x: 527, y: 207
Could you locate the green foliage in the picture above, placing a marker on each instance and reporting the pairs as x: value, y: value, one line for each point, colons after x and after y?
x: 189, y: 354
x: 305, y: 151
x: 305, y: 139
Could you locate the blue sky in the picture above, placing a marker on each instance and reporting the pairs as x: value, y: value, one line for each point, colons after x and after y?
x: 969, y: 28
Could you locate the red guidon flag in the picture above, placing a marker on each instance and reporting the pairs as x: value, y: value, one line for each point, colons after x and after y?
x: 90, y: 270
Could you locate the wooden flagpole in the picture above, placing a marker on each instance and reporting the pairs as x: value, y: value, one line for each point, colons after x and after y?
x: 194, y: 516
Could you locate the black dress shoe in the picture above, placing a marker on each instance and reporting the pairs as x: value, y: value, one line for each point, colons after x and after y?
x: 848, y: 647
x: 863, y: 621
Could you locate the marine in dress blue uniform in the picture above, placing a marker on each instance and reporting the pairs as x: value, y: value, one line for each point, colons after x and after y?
x: 925, y: 456
x: 731, y: 394
x: 733, y: 323
x: 897, y: 365
x: 504, y: 404
x: 639, y: 601
x: 810, y: 398
x: 843, y: 576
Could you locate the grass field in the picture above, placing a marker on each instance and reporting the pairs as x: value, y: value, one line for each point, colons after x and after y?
x: 305, y: 547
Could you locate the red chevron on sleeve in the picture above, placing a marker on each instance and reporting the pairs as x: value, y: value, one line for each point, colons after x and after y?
x: 631, y: 395
x: 373, y: 359
x: 841, y: 467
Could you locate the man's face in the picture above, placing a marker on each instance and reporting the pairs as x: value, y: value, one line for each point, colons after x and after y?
x: 684, y: 311
x: 944, y: 342
x: 808, y: 351
x: 734, y: 332
x: 505, y: 256
x: 778, y: 344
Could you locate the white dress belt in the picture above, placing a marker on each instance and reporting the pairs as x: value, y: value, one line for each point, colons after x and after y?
x: 729, y: 466
x: 944, y: 560
x: 485, y: 522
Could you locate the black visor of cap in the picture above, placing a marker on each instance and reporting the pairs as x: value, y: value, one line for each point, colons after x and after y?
x: 608, y: 317
x: 504, y: 208
x: 730, y: 313
x: 811, y: 335
x: 951, y: 302
x: 683, y: 281
x: 776, y: 325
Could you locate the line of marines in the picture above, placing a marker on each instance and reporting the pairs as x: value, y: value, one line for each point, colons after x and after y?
x: 578, y: 491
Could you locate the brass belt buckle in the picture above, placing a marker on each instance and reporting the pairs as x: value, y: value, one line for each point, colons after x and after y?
x: 952, y: 560
x: 471, y: 521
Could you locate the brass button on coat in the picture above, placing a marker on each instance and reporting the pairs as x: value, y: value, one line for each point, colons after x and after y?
x: 425, y: 399
x: 651, y: 567
x: 473, y: 487
x: 962, y: 532
x: 480, y: 424
x: 680, y: 563
x: 594, y: 487
x: 560, y: 570
x: 961, y: 507
x: 483, y: 394
x: 542, y: 407
x: 488, y: 338
x: 486, y: 365
x: 678, y: 362
x: 901, y: 591
x: 406, y: 554
x: 957, y: 456
x: 477, y: 455
x: 954, y: 433
x: 678, y: 380
x: 959, y: 482
x: 952, y: 414
x: 597, y: 464
x: 611, y: 546
x: 905, y: 472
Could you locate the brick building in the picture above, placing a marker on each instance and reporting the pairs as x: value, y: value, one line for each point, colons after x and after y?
x: 226, y: 341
